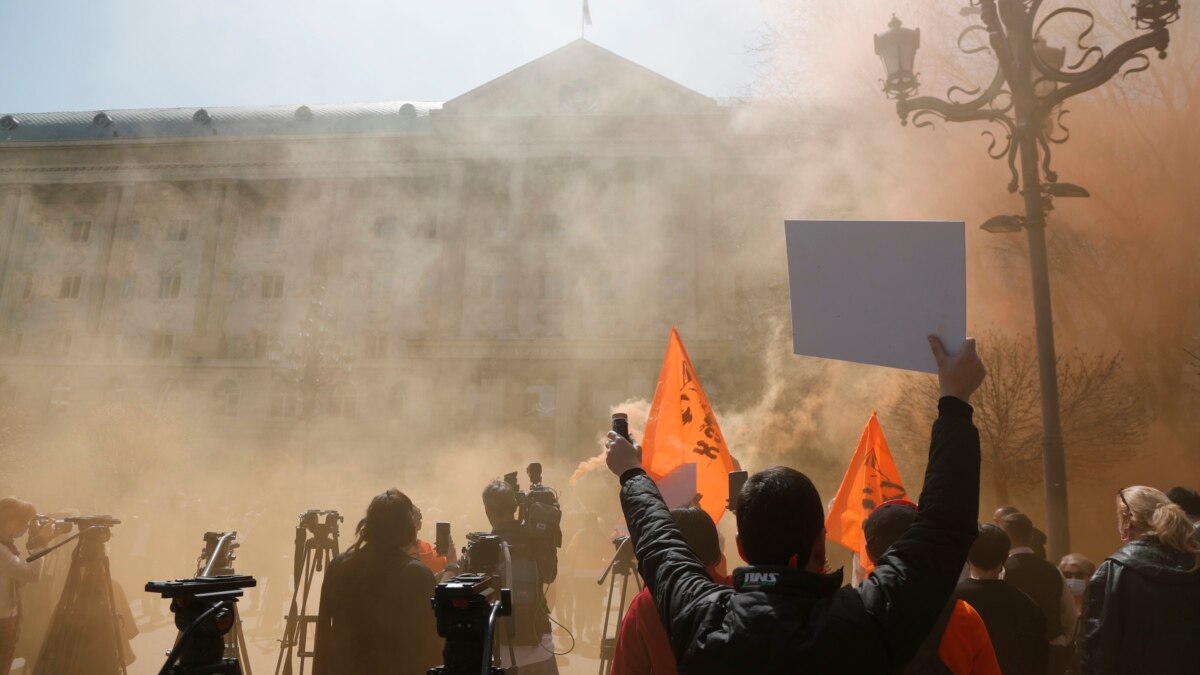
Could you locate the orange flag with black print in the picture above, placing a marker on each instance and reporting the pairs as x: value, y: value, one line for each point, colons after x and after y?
x: 682, y: 429
x: 871, y: 480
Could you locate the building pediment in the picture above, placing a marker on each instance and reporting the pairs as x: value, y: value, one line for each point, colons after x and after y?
x: 580, y: 79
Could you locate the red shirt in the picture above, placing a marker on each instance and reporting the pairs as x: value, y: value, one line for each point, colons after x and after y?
x: 642, y: 645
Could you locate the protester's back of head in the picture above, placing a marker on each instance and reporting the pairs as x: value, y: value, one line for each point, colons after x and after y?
x: 1019, y: 529
x: 389, y: 522
x: 779, y: 516
x: 990, y: 549
x: 1007, y: 510
x: 499, y: 501
x: 700, y: 533
x: 886, y: 524
x: 1149, y: 513
x: 1187, y: 499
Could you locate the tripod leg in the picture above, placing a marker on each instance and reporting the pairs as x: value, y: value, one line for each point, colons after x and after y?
x: 114, y: 619
x: 605, y: 657
x: 243, y: 653
x: 283, y: 665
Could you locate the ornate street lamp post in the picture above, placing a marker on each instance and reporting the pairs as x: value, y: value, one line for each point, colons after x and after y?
x: 1024, y: 100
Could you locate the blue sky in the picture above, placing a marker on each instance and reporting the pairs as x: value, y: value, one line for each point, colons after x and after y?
x: 77, y: 55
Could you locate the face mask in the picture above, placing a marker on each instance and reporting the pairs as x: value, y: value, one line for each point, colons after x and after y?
x: 1076, y: 586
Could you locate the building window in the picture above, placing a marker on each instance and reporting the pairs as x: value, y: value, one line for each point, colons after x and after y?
x: 177, y: 230
x: 61, y: 344
x: 272, y: 286
x: 273, y: 227
x: 376, y: 347
x: 70, y: 287
x: 60, y: 395
x: 343, y: 401
x: 265, y: 344
x: 225, y: 398
x: 164, y: 344
x: 168, y: 285
x: 81, y: 231
x: 396, y: 400
x: 385, y: 227
x: 285, y: 401
x: 551, y: 225
x: 379, y: 284
x: 540, y: 400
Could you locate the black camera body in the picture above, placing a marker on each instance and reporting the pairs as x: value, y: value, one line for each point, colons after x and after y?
x: 540, y: 516
x: 482, y: 554
x: 466, y: 608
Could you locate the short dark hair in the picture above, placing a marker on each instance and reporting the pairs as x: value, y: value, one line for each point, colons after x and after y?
x: 389, y: 520
x: 990, y: 549
x: 779, y: 516
x: 499, y: 498
x: 1019, y: 528
x: 885, y: 526
x: 1007, y: 510
x: 1187, y: 499
x: 700, y: 533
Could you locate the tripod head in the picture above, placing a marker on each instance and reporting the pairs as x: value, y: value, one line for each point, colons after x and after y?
x: 203, y: 609
x: 623, y: 561
x: 323, y: 526
x: 94, y: 532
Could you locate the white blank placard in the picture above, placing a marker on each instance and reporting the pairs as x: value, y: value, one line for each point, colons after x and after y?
x: 871, y: 291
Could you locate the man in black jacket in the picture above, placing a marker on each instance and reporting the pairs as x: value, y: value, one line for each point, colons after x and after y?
x: 1014, y: 621
x: 784, y: 614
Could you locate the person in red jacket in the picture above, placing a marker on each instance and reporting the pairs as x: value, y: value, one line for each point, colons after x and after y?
x: 642, y: 647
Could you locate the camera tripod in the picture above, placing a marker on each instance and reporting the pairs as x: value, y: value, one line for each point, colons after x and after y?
x: 217, y: 560
x: 313, y: 553
x: 84, y: 637
x: 622, y: 565
x: 205, y: 611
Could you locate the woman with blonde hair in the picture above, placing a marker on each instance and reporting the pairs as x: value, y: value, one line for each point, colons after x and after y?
x: 1141, y: 609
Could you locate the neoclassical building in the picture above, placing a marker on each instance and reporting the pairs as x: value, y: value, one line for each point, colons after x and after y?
x: 512, y: 257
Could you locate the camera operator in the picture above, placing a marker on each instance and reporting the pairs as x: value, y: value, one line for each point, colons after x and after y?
x: 534, y: 653
x: 374, y: 615
x: 16, y: 518
x: 784, y: 614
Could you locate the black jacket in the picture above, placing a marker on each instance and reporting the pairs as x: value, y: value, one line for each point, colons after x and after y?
x: 375, y: 616
x: 1042, y: 582
x: 1140, y: 612
x: 1014, y: 622
x: 783, y: 620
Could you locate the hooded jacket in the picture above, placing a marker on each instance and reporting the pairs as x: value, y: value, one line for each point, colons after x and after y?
x: 785, y: 620
x: 1140, y: 612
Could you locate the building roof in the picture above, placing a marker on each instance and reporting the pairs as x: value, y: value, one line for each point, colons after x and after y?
x: 389, y: 117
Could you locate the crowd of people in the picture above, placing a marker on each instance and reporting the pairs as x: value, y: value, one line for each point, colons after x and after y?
x: 945, y: 593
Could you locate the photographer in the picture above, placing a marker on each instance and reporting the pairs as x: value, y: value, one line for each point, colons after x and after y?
x: 527, y: 638
x: 374, y: 615
x: 16, y: 516
x: 784, y: 614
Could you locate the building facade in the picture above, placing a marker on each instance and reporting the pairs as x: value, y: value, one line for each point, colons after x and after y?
x: 512, y: 257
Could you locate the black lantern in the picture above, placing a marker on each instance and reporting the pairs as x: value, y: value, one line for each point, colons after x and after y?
x: 897, y: 48
x: 1155, y: 14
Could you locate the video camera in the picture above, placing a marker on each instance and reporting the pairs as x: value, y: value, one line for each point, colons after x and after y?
x: 203, y: 609
x: 540, y: 516
x: 482, y: 554
x: 466, y: 608
x: 322, y: 523
x: 217, y: 557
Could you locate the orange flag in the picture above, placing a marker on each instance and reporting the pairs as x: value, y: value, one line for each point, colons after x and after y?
x: 871, y: 480
x: 682, y: 429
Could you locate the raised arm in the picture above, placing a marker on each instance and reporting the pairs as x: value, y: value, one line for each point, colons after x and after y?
x: 913, y: 581
x: 674, y: 574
